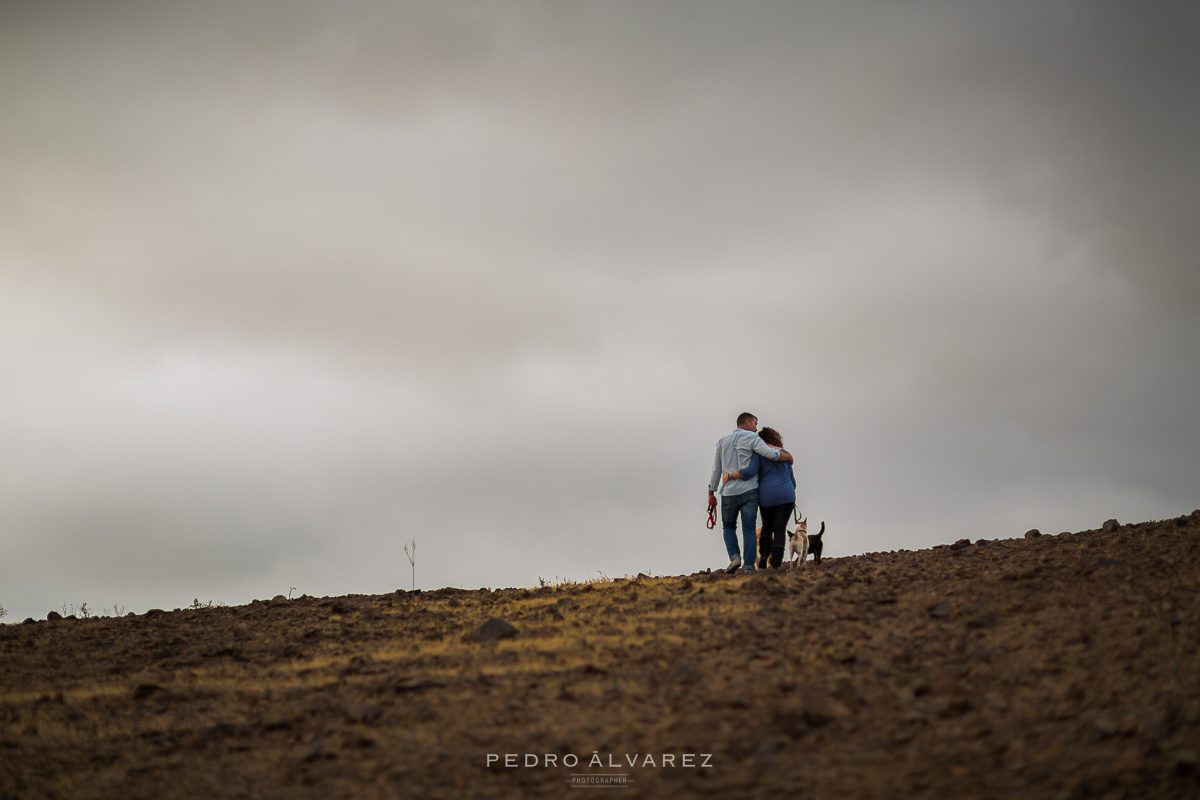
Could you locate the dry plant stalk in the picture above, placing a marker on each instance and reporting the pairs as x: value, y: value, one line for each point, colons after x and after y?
x: 412, y: 561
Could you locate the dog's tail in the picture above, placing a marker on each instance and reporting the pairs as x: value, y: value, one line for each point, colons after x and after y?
x: 822, y: 528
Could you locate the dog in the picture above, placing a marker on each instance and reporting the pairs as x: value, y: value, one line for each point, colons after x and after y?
x: 800, y: 544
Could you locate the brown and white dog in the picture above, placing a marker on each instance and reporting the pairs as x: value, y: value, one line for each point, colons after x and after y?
x: 800, y: 544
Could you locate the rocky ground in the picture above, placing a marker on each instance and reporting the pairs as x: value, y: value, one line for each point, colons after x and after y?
x: 1036, y: 667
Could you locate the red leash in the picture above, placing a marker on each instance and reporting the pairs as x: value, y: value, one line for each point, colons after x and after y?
x: 712, y: 515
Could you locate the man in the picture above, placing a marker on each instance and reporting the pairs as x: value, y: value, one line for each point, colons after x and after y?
x: 739, y: 497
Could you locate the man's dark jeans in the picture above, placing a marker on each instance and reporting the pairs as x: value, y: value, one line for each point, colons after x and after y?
x: 745, y: 504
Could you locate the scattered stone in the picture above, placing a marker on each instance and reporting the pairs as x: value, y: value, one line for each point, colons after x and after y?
x: 363, y: 713
x: 160, y: 739
x: 278, y: 600
x: 318, y: 753
x: 1023, y: 574
x: 1099, y: 563
x: 821, y: 586
x: 960, y: 544
x: 767, y: 750
x: 985, y: 620
x: 357, y: 665
x: 1104, y: 727
x: 406, y: 685
x: 54, y: 616
x: 146, y: 690
x: 809, y: 709
x: 954, y: 707
x: 1077, y: 636
x: 939, y: 610
x: 226, y: 652
x: 1110, y: 526
x: 357, y: 740
x: 1184, y: 763
x: 1032, y: 533
x: 495, y: 628
x: 29, y: 621
x: 684, y: 585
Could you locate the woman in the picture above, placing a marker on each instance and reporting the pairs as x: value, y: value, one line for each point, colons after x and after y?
x: 776, y: 499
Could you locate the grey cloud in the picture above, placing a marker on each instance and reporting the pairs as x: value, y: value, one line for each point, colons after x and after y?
x: 286, y: 283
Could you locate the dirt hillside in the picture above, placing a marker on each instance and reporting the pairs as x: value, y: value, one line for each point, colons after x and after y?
x: 1047, y: 666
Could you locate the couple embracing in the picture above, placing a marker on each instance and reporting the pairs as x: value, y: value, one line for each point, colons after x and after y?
x: 753, y: 474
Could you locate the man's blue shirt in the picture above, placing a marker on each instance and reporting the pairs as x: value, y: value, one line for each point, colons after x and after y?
x: 734, y: 451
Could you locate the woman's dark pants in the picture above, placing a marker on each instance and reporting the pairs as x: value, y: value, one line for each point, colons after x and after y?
x: 774, y: 531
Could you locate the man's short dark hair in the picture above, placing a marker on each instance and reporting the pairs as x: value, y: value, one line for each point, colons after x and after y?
x: 745, y: 417
x: 771, y: 436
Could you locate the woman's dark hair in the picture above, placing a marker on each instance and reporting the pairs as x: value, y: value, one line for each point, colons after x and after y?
x: 771, y: 436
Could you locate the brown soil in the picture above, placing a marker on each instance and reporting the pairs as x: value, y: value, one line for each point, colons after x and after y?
x: 1041, y: 667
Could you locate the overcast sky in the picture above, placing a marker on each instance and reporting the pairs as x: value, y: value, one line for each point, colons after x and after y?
x: 286, y: 285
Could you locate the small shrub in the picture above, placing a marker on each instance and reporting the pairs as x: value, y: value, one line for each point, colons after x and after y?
x: 412, y: 560
x: 81, y: 611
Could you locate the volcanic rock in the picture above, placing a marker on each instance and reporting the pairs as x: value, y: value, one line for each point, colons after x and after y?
x: 495, y: 628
